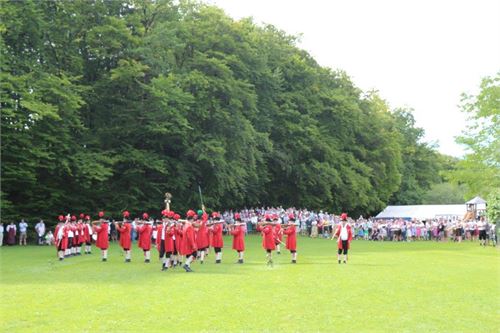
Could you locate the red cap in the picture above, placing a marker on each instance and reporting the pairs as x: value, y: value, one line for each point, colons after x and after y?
x: 190, y: 213
x: 82, y: 215
x: 267, y: 217
x: 87, y: 217
x: 215, y: 214
x: 170, y: 214
x: 291, y: 217
x: 343, y: 216
x: 126, y: 213
x: 61, y: 218
x: 101, y: 214
x: 176, y: 217
x: 237, y: 216
x: 73, y: 218
x: 145, y: 216
x: 164, y: 212
x: 275, y: 216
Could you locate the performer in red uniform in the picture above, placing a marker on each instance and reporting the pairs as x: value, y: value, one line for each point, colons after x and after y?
x: 164, y: 239
x: 125, y: 238
x: 268, y: 243
x: 291, y: 238
x: 217, y: 240
x: 87, y: 233
x: 176, y: 237
x: 188, y: 246
x: 81, y: 236
x: 278, y: 233
x: 238, y: 232
x: 202, y: 239
x: 144, y: 230
x: 344, y: 234
x: 61, y: 240
x: 70, y: 250
x: 102, y: 241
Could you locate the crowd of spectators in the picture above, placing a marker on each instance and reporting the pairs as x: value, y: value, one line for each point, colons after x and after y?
x: 314, y: 224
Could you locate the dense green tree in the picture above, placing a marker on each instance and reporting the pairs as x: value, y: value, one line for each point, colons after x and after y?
x: 480, y: 168
x: 108, y: 104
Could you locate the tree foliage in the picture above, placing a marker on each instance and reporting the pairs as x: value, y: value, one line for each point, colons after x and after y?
x: 480, y: 168
x: 108, y: 104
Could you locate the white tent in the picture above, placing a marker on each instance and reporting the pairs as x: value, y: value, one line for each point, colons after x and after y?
x: 422, y: 212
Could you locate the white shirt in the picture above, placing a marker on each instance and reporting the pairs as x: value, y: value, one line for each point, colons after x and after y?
x: 343, y: 232
x: 23, y: 226
x: 163, y: 231
x: 40, y: 228
x: 60, y: 233
x: 1, y: 229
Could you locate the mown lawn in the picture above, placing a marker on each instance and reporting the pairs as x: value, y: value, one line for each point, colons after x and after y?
x: 386, y: 287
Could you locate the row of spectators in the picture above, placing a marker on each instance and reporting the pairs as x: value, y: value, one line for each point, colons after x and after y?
x: 315, y: 225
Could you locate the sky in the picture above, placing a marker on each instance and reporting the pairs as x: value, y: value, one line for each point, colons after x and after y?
x: 419, y: 54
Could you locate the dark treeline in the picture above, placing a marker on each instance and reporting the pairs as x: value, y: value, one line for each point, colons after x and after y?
x: 109, y: 104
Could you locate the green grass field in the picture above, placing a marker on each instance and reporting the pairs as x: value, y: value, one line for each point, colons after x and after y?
x: 386, y: 287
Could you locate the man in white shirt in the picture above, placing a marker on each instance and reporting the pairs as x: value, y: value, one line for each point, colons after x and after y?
x: 40, y: 230
x: 481, y: 226
x: 23, y: 227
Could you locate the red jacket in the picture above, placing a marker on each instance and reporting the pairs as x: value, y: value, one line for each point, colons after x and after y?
x: 124, y: 230
x: 188, y: 243
x: 81, y: 235
x: 349, y: 236
x: 102, y: 236
x: 267, y: 237
x: 238, y: 238
x: 291, y: 238
x: 217, y: 240
x: 64, y: 240
x: 202, y: 239
x: 86, y: 233
x: 278, y: 232
x: 168, y: 241
x: 178, y: 238
x: 144, y: 236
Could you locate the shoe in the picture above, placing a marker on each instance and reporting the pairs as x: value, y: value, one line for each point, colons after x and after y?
x: 345, y: 262
x: 146, y: 261
x: 187, y: 268
x: 61, y: 259
x: 164, y: 268
x: 339, y: 261
x: 294, y: 261
x: 201, y: 262
x: 104, y: 259
x: 218, y: 261
x: 279, y: 252
x: 240, y: 261
x: 127, y: 260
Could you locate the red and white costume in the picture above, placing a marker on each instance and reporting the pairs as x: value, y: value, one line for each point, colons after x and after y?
x: 144, y: 243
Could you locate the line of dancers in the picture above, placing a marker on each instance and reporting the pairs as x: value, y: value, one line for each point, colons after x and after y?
x: 180, y: 242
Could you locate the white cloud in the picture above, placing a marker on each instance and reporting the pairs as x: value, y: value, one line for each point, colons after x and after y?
x: 421, y: 54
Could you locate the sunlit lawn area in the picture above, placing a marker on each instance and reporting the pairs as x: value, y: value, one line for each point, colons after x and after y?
x: 385, y: 287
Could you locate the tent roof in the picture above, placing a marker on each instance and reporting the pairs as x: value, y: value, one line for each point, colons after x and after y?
x: 476, y: 201
x: 422, y: 211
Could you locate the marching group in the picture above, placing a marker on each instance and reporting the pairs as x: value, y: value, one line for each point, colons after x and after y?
x: 178, y: 241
